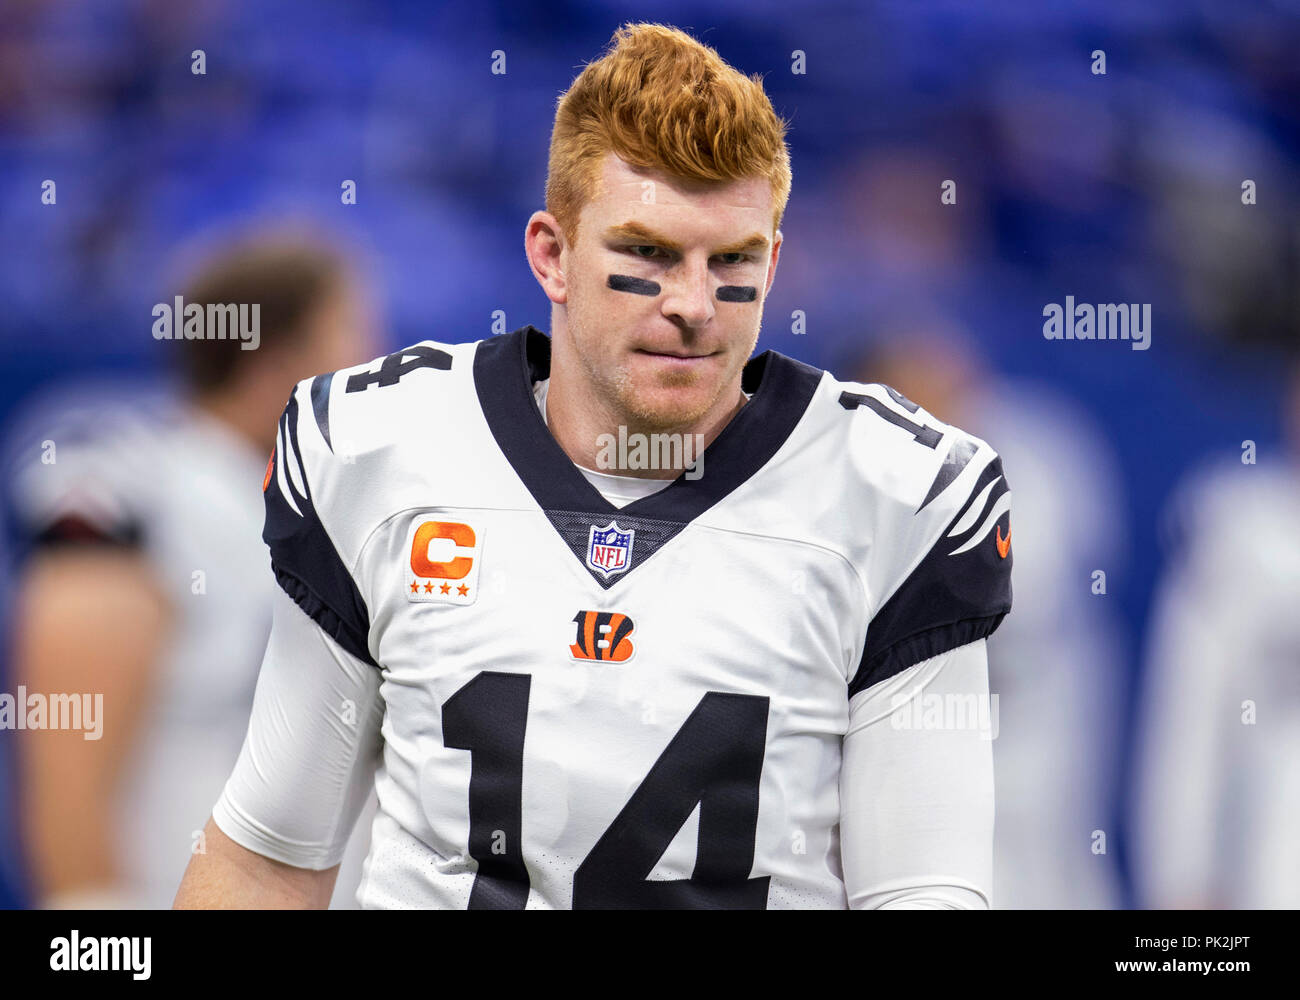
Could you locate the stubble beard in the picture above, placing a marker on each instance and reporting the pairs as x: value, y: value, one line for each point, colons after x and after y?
x: 634, y: 404
x: 631, y: 404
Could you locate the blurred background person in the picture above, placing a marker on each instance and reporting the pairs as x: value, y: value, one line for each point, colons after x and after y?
x: 146, y: 579
x: 1218, y: 801
x: 1055, y: 665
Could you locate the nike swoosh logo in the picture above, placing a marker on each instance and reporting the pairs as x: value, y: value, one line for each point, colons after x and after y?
x: 1004, y: 544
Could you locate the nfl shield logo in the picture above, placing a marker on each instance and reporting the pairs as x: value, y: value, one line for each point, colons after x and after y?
x: 609, y: 550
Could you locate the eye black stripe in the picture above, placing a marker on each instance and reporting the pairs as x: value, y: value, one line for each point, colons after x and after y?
x: 958, y: 457
x: 638, y: 286
x: 737, y: 293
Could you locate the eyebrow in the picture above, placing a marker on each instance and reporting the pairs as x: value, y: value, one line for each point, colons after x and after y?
x: 635, y: 230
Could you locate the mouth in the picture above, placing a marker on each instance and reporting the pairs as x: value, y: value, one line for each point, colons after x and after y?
x: 675, y: 355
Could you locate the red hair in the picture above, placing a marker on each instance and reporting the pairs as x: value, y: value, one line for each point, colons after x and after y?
x: 659, y: 99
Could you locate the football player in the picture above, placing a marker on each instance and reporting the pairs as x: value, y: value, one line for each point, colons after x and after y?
x: 146, y: 582
x: 750, y: 682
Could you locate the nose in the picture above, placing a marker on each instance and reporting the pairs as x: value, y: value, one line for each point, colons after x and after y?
x: 689, y: 295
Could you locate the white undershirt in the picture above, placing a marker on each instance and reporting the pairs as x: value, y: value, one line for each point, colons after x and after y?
x: 618, y: 490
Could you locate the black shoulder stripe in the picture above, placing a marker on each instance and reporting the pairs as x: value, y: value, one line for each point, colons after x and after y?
x: 286, y: 452
x: 320, y: 405
x: 959, y: 592
x: 924, y: 646
x: 319, y: 610
x: 306, y: 564
x: 291, y: 422
x: 992, y: 473
x: 958, y: 457
x: 989, y: 500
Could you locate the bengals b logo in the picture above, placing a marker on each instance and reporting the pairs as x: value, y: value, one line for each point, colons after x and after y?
x: 602, y: 635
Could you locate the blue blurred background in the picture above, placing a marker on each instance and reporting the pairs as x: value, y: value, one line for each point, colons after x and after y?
x: 1122, y: 187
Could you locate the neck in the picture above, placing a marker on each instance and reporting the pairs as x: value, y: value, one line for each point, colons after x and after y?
x: 584, y: 429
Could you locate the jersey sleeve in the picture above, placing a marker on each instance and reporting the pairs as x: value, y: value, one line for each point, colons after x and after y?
x: 308, y: 760
x: 309, y: 756
x: 957, y: 588
x: 305, y: 558
x: 916, y: 787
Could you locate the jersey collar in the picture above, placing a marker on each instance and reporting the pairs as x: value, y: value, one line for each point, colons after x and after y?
x: 505, y: 368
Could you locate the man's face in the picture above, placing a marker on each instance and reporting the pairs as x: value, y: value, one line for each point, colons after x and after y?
x: 662, y: 349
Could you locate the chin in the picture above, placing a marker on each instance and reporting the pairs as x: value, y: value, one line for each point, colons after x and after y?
x: 670, y: 402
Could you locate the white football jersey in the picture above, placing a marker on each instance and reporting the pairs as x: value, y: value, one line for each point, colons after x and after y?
x: 642, y: 706
x: 150, y: 472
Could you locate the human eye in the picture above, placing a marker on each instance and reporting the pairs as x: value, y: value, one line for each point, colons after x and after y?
x: 636, y: 251
x: 740, y: 258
